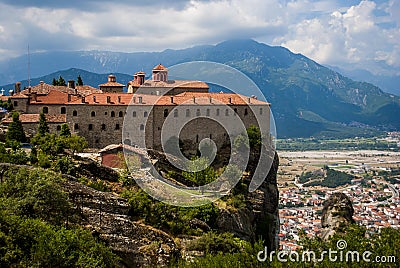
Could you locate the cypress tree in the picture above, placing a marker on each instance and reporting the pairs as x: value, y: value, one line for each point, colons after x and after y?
x: 65, y: 132
x: 43, y: 127
x: 79, y: 81
x: 15, y: 130
x: 61, y: 81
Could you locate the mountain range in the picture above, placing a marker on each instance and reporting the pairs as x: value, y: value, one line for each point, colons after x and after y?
x: 308, y: 99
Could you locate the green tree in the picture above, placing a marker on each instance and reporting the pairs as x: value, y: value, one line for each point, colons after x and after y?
x: 65, y: 132
x: 79, y: 81
x: 15, y: 130
x: 43, y: 127
x: 75, y: 143
x: 200, y: 172
x: 55, y: 82
x: 254, y: 134
x: 61, y: 81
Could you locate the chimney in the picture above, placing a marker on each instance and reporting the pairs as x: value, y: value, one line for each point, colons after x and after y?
x: 71, y: 84
x: 108, y: 99
x: 230, y: 100
x: 134, y: 99
x: 158, y: 93
x: 34, y: 96
x: 172, y: 99
x: 11, y: 92
x: 69, y: 97
x: 29, y: 89
x: 194, y: 99
x: 94, y: 99
x: 210, y: 99
x: 140, y: 100
x: 17, y: 87
x: 140, y: 77
x: 119, y: 99
x: 83, y: 99
x: 249, y: 100
x: 41, y: 85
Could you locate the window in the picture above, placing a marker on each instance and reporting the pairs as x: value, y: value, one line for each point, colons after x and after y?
x: 217, y: 112
x: 74, y: 113
x: 76, y: 127
x: 165, y: 113
x: 134, y: 114
x: 176, y: 113
x: 58, y: 128
x: 226, y: 112
x: 112, y: 114
x: 120, y: 114
x: 90, y: 127
x: 197, y: 138
x: 235, y: 110
x: 97, y: 141
x: 103, y: 126
x: 45, y: 110
x: 63, y: 110
x: 187, y: 112
x: 116, y: 126
x: 198, y: 112
x: 210, y: 136
x: 105, y: 113
x: 15, y: 103
x: 246, y: 112
x: 141, y: 127
x: 145, y: 114
x: 261, y: 111
x: 208, y: 112
x: 93, y: 113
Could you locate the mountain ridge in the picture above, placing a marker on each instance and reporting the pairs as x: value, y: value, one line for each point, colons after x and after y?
x: 308, y: 99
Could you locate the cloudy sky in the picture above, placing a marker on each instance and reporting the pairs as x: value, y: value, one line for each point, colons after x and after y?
x: 344, y: 33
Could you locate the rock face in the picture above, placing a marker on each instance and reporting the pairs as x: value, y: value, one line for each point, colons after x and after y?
x: 337, y: 213
x: 260, y: 217
x: 106, y: 214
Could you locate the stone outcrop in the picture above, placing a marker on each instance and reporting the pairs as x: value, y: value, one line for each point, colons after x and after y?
x: 106, y: 215
x: 260, y: 217
x: 337, y: 213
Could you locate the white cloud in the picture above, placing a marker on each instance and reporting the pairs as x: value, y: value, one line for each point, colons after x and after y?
x: 325, y: 30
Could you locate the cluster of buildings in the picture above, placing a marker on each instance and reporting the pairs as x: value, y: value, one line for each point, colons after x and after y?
x: 100, y: 114
x: 375, y: 207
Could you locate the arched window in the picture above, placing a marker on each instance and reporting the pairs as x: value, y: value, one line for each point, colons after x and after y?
x: 45, y: 110
x: 117, y: 127
x: 103, y: 126
x: 198, y: 112
x: 63, y: 110
x: 74, y: 113
x: 197, y: 138
x: 93, y: 113
x: 165, y: 113
x: 134, y: 114
x: 217, y: 112
x: 145, y: 114
x: 187, y: 112
x: 176, y: 113
x: 261, y: 111
x: 246, y: 112
x: 58, y: 128
x: 141, y: 127
x: 90, y: 127
x: 112, y: 114
x: 226, y: 112
x: 120, y: 114
x: 76, y: 127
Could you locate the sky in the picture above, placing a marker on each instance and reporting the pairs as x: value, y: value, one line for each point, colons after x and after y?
x: 345, y: 33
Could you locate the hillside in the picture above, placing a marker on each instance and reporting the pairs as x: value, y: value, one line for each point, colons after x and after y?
x: 307, y: 98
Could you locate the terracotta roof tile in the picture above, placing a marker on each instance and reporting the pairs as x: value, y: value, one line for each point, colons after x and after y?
x: 34, y: 118
x: 173, y: 84
x: 160, y: 67
x: 190, y: 98
x: 111, y: 84
x: 53, y: 97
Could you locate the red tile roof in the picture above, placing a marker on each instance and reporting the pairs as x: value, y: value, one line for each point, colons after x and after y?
x: 191, y: 98
x: 111, y: 84
x: 174, y: 84
x: 34, y: 118
x: 44, y: 88
x: 53, y: 97
x: 160, y: 67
